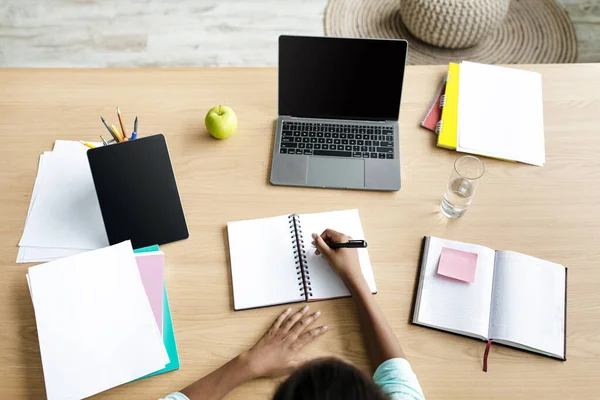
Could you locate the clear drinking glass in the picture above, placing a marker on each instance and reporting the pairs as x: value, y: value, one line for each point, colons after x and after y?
x: 465, y: 176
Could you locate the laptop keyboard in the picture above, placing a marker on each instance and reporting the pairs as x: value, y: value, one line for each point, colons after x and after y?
x: 337, y: 140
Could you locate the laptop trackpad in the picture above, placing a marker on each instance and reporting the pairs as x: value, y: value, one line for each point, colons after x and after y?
x: 336, y: 172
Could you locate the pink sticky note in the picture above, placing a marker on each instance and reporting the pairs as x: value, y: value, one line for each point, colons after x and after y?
x: 457, y: 264
x: 151, y: 267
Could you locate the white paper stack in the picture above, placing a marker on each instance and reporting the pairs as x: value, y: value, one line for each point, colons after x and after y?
x: 500, y: 113
x: 64, y: 215
x: 95, y: 324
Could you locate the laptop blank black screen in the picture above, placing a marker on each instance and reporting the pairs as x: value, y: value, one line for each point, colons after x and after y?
x: 341, y: 78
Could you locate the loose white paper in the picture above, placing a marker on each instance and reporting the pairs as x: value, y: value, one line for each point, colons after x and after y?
x: 500, y: 113
x: 64, y: 210
x: 95, y: 325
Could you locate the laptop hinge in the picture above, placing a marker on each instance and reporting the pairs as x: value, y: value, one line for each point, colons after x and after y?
x: 342, y: 119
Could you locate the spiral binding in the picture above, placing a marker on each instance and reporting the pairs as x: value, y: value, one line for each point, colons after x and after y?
x: 300, y: 256
x: 439, y: 126
x: 431, y: 107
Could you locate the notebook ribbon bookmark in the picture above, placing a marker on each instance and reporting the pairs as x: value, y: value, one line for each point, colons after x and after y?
x: 485, y: 355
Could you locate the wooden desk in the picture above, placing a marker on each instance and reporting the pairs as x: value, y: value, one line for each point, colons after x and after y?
x: 550, y: 212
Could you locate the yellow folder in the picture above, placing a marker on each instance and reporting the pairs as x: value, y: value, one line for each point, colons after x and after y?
x: 447, y: 127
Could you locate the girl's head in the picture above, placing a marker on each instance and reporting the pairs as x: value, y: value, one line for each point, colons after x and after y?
x: 328, y: 379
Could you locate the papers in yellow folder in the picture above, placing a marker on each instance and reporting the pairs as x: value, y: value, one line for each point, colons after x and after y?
x: 447, y: 127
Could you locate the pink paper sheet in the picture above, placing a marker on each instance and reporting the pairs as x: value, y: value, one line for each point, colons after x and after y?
x: 151, y: 266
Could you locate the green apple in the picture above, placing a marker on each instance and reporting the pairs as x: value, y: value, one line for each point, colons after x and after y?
x: 221, y: 122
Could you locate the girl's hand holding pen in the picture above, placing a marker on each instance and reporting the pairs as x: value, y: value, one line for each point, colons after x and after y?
x: 343, y: 261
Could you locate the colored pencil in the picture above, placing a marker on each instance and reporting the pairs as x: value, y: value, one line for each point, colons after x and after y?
x: 121, y: 123
x: 117, y: 133
x: 91, y: 146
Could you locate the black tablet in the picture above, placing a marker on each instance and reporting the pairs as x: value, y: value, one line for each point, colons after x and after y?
x: 137, y: 192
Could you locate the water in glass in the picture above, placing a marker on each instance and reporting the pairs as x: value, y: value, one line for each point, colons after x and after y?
x: 457, y: 198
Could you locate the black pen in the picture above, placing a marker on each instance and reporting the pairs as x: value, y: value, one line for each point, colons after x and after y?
x: 350, y: 244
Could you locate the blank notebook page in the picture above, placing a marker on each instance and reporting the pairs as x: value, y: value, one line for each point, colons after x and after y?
x: 501, y: 113
x: 95, y: 326
x: 529, y: 302
x: 454, y: 305
x: 324, y: 281
x: 263, y: 266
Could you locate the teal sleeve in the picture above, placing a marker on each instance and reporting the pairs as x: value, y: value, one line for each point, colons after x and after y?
x: 398, y: 381
x: 176, y: 396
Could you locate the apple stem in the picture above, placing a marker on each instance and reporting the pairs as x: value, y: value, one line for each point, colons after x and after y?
x: 220, y: 113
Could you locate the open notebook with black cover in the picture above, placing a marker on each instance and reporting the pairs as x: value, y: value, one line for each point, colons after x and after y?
x: 273, y: 262
x: 515, y: 300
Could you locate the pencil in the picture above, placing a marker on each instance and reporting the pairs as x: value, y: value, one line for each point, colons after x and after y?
x: 121, y: 123
x: 117, y: 133
x: 108, y: 129
x: 91, y: 146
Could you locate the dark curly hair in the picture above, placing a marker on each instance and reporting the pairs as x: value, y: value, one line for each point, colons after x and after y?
x: 329, y: 379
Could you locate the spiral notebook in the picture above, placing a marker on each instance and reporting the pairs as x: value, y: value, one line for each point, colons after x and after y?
x: 273, y: 261
x: 434, y: 112
x: 447, y: 126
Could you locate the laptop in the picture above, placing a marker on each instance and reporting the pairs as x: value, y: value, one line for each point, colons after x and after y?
x: 339, y: 101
